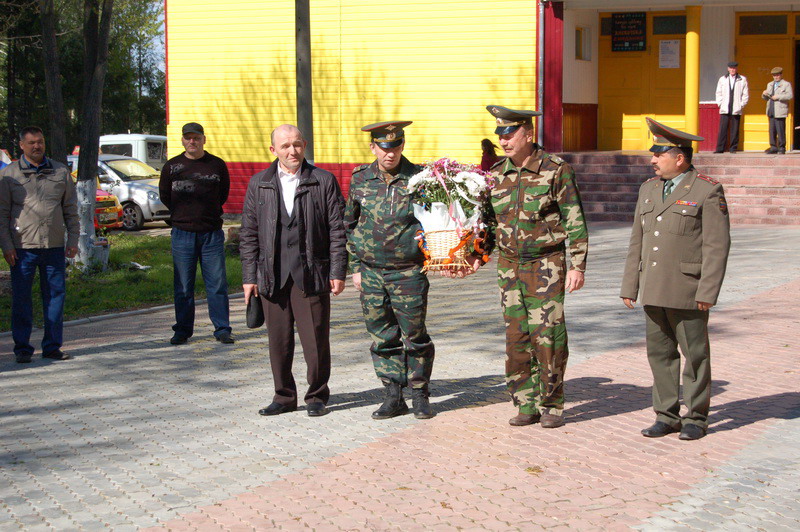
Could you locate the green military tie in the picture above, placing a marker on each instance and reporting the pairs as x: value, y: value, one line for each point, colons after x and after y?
x: 668, y: 186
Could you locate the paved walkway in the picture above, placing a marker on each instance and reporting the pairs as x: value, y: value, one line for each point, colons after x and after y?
x: 136, y: 433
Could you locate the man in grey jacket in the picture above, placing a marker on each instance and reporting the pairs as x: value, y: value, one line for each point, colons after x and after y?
x: 37, y: 206
x: 293, y: 255
x: 778, y: 93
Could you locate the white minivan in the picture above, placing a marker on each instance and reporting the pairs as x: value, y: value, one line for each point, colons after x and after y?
x: 150, y: 149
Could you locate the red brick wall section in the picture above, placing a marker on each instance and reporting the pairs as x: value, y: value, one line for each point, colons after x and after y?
x: 242, y: 172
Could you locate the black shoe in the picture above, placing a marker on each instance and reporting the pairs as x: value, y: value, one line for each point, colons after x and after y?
x: 316, y: 410
x: 659, y: 429
x: 781, y: 152
x: 420, y: 403
x: 771, y: 150
x: 733, y: 151
x: 718, y: 151
x: 58, y: 354
x: 690, y: 431
x: 225, y: 338
x: 276, y: 408
x: 394, y: 405
x: 24, y: 359
x: 178, y: 339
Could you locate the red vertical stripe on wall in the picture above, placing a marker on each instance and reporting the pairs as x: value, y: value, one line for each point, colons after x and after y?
x: 553, y: 76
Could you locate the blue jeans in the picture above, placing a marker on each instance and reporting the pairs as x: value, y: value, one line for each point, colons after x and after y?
x: 187, y: 248
x: 51, y: 264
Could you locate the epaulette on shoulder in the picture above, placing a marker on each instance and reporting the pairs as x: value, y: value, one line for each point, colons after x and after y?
x: 556, y: 159
x: 709, y: 179
x: 360, y: 168
x: 652, y: 179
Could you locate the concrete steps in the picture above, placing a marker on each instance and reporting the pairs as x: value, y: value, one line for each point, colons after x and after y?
x: 760, y: 188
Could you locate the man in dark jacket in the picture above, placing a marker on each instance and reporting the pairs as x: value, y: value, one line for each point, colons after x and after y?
x: 194, y: 186
x: 293, y: 254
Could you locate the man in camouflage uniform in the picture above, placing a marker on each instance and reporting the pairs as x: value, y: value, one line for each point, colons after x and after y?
x: 676, y: 263
x: 535, y: 209
x: 387, y: 270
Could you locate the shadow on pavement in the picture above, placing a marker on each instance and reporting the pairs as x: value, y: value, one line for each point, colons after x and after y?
x: 737, y: 414
x: 459, y: 393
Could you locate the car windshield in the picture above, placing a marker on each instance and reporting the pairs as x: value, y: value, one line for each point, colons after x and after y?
x: 132, y: 170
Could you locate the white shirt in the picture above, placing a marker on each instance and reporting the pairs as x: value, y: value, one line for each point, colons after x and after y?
x: 288, y: 187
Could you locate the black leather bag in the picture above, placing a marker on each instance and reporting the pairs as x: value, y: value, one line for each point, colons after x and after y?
x: 255, y: 312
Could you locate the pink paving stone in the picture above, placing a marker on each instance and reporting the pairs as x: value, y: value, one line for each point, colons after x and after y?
x: 583, y: 466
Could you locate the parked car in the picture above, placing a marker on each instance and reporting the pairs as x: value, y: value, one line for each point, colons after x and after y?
x: 107, y: 208
x: 135, y: 184
x: 150, y: 149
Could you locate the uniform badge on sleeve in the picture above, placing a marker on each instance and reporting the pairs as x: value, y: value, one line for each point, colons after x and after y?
x: 723, y: 206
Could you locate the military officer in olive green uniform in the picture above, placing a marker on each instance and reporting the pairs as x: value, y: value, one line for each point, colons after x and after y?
x: 387, y: 270
x: 675, y: 266
x: 535, y: 210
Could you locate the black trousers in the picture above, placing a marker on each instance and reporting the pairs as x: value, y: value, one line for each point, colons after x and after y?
x: 777, y: 133
x: 313, y: 317
x: 727, y: 122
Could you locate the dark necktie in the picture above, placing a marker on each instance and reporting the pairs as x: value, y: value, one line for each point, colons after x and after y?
x: 668, y: 186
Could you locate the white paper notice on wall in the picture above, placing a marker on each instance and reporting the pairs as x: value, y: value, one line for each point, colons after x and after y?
x: 669, y: 54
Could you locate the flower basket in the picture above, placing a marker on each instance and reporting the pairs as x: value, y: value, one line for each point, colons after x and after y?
x: 447, y: 196
x: 445, y: 249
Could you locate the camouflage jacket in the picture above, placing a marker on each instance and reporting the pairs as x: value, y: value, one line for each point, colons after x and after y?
x: 536, y: 209
x: 379, y: 219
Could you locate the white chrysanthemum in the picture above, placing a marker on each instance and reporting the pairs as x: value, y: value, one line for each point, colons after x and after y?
x: 425, y: 176
x: 475, y: 183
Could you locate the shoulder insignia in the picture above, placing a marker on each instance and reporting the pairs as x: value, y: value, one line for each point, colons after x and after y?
x: 651, y: 179
x: 709, y: 179
x: 556, y: 159
x: 723, y: 206
x: 360, y: 167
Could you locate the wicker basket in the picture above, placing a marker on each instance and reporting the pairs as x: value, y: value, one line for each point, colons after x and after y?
x: 445, y: 251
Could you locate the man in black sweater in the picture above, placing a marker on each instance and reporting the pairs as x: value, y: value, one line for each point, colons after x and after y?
x: 194, y: 186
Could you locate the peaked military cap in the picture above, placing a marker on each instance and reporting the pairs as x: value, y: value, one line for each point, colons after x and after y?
x: 665, y: 138
x: 509, y: 120
x: 387, y: 134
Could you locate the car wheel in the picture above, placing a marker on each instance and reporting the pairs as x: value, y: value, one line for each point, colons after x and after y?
x: 132, y: 217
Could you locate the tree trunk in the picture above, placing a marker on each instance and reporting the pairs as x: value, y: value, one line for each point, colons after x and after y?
x: 96, y: 29
x: 56, y: 140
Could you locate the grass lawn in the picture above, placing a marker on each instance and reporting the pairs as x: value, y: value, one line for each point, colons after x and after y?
x: 120, y: 287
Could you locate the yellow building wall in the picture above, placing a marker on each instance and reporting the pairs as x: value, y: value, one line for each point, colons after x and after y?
x: 632, y: 87
x: 231, y: 67
x: 757, y: 56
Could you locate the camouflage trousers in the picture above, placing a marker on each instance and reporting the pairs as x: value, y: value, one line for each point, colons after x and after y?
x: 395, y: 304
x: 536, y: 332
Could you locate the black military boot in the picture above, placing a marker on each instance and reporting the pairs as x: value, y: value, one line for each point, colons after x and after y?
x: 393, y: 405
x: 420, y: 404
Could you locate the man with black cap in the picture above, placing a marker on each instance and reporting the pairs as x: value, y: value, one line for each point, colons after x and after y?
x: 732, y: 95
x: 535, y: 210
x: 387, y: 270
x: 778, y: 93
x: 194, y: 186
x: 675, y: 266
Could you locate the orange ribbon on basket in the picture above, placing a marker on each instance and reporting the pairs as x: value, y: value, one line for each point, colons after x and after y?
x: 478, y: 246
x: 420, y: 237
x: 452, y: 252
